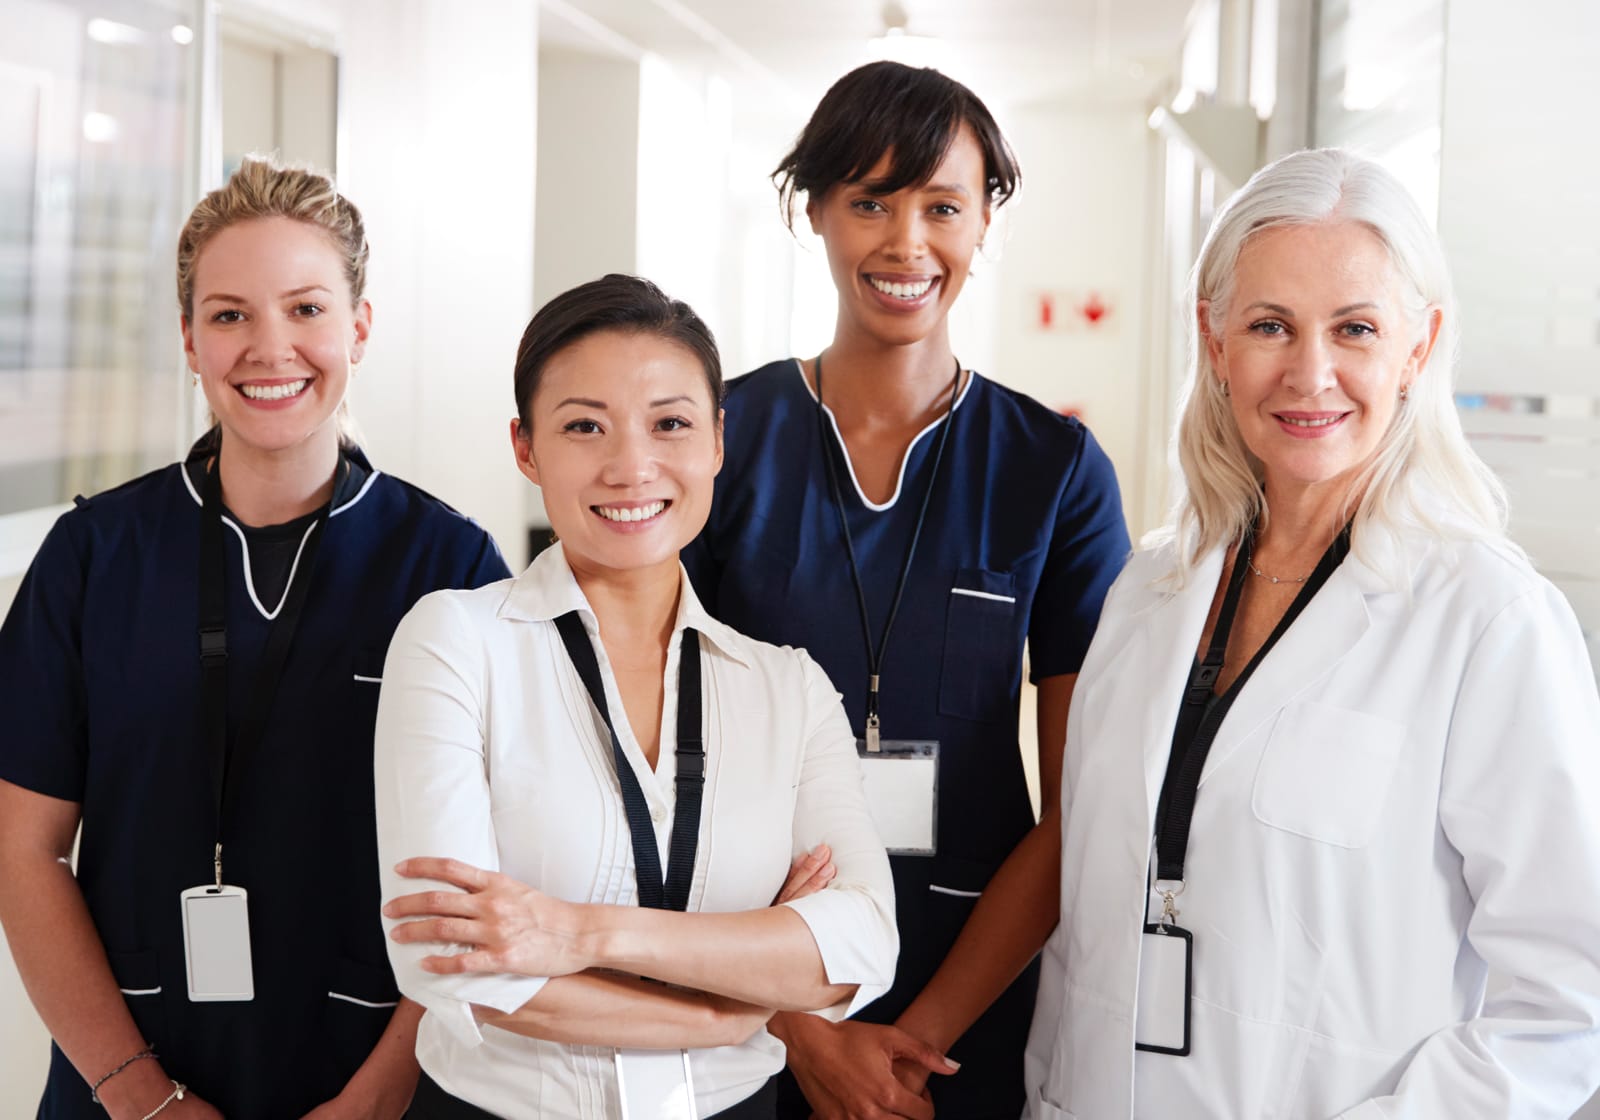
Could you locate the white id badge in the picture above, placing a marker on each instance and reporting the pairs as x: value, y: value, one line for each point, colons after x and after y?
x: 216, y: 944
x: 1166, y: 961
x: 901, y: 779
x: 655, y: 1085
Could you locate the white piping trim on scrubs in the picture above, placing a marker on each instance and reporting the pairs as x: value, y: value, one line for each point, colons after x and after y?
x: 249, y: 579
x: 904, y: 459
x: 362, y: 1002
x: 369, y: 680
x: 937, y: 889
x: 140, y: 991
x: 983, y: 595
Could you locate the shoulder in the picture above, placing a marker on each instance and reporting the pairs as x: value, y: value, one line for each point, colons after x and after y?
x: 773, y: 379
x: 1022, y: 426
x: 410, y: 509
x: 454, y: 618
x: 1480, y: 579
x: 136, y: 506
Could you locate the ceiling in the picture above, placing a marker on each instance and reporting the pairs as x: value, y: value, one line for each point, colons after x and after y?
x: 1012, y: 52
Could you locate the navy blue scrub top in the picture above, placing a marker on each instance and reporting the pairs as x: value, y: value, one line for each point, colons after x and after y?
x: 1024, y: 536
x: 99, y: 680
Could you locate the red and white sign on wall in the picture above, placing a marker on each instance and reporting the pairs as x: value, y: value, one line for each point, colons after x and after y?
x: 1074, y: 310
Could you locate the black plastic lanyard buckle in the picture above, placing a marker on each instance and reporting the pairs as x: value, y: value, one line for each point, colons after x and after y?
x: 213, y: 645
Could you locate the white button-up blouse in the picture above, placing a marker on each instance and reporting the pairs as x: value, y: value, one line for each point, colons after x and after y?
x: 490, y: 751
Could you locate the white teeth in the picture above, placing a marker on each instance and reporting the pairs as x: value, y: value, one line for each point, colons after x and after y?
x: 633, y: 513
x: 902, y: 291
x: 1322, y: 423
x: 273, y: 392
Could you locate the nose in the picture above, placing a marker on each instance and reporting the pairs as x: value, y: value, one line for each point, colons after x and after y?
x: 270, y: 343
x: 1311, y: 365
x: 632, y: 460
x: 907, y: 235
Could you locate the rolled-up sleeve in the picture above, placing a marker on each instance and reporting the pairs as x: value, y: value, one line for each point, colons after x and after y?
x: 853, y: 919
x: 432, y: 793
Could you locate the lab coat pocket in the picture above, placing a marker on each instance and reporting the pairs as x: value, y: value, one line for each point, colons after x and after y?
x: 1326, y: 771
x: 982, y: 649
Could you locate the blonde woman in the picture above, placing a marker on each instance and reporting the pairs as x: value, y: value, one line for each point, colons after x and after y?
x: 191, y: 672
x: 1333, y: 752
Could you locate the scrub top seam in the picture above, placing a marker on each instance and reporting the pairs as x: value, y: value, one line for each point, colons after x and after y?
x: 905, y: 459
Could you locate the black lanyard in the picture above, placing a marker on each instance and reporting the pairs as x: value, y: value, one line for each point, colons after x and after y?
x: 227, y: 764
x: 875, y: 654
x: 654, y: 893
x: 1201, y: 715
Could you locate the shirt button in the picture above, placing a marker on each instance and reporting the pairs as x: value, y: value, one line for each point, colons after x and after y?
x: 658, y: 815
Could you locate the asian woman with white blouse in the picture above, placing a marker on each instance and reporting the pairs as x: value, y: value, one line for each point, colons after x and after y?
x: 553, y: 987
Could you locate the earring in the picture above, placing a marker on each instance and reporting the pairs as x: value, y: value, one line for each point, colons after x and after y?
x: 195, y: 380
x: 1227, y: 392
x: 1405, y: 393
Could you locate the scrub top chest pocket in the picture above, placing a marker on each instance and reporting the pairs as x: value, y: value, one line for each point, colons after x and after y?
x: 982, y: 645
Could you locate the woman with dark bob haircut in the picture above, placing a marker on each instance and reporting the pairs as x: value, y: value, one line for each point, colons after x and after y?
x: 912, y: 525
x: 573, y: 755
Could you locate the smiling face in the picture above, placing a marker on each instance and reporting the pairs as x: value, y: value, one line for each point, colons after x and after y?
x: 625, y: 442
x: 274, y: 334
x: 899, y: 260
x: 1314, y: 347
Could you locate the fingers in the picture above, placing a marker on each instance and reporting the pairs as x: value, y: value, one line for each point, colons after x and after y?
x: 452, y: 871
x: 456, y: 931
x: 444, y: 904
x: 808, y: 874
x: 914, y: 1050
x: 476, y: 961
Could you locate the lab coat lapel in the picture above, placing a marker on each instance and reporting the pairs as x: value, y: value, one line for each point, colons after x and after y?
x: 1171, y: 637
x: 1331, y: 624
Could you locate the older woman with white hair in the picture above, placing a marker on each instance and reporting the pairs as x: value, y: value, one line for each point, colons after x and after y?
x: 1335, y: 750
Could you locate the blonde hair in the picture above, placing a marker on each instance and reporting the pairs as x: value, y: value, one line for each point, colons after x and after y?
x: 1424, y: 476
x: 264, y: 188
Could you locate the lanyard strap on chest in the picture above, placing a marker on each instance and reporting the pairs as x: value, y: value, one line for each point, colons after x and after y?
x: 672, y: 893
x: 1175, y: 809
x: 227, y: 761
x: 877, y: 651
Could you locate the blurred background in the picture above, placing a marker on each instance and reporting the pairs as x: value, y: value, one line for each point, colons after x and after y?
x: 504, y: 150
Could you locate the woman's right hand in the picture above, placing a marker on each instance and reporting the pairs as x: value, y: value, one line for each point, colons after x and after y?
x: 846, y: 1070
x: 808, y: 874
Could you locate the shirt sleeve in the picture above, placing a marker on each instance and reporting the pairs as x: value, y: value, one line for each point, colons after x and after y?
x: 852, y: 919
x: 1520, y: 802
x: 432, y: 794
x: 42, y: 691
x: 1088, y: 547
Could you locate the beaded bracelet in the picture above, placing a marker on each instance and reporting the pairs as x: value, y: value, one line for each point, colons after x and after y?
x: 147, y: 1052
x: 178, y: 1089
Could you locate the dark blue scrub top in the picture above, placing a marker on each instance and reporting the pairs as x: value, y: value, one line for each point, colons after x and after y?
x: 1024, y: 536
x: 99, y: 680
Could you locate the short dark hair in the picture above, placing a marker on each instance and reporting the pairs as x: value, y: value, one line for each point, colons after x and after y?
x: 614, y: 302
x: 890, y: 107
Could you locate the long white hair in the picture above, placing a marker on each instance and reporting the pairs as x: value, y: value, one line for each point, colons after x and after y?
x: 1423, y: 477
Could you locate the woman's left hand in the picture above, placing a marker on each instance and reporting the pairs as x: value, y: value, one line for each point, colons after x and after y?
x: 510, y: 927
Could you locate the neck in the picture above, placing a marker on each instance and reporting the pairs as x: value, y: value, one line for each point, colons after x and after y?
x: 269, y: 488
x: 867, y: 381
x: 635, y: 607
x: 1303, y: 522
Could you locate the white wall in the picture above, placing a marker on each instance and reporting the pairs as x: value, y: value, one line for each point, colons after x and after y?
x: 1082, y: 228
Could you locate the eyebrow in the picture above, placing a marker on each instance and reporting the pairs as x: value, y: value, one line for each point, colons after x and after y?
x: 1279, y: 309
x: 586, y: 402
x: 877, y: 186
x: 226, y: 297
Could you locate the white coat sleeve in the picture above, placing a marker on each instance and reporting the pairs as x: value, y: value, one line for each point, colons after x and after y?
x: 1520, y: 802
x: 432, y: 793
x: 852, y: 920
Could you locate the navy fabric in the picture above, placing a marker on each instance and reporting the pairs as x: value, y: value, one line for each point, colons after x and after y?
x: 99, y: 677
x: 1026, y: 517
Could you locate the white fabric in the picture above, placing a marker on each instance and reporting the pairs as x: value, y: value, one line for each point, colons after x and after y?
x: 1405, y: 795
x: 489, y: 751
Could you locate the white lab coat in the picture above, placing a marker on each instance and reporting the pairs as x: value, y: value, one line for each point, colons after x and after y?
x: 1405, y: 795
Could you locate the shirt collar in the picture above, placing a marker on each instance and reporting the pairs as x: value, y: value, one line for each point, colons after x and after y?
x: 547, y: 589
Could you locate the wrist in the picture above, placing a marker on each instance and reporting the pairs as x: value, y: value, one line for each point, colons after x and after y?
x: 924, y: 1026
x: 135, y: 1091
x: 592, y: 933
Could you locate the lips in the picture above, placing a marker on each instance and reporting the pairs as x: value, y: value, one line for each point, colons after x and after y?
x: 902, y: 291
x: 1310, y: 425
x: 631, y: 513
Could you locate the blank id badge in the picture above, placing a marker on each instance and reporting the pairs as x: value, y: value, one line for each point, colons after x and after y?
x: 901, y: 779
x: 655, y: 1085
x: 216, y: 944
x: 1166, y: 965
